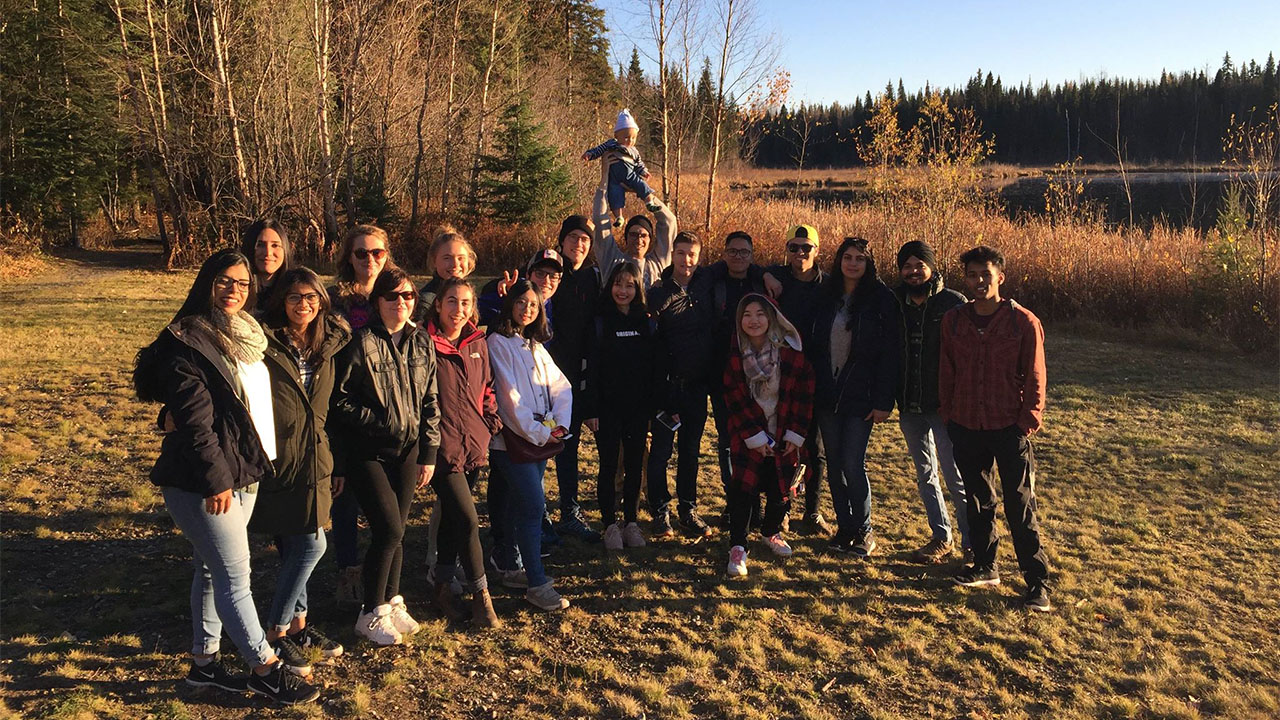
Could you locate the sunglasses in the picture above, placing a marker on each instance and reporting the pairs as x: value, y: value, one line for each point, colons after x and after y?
x: 408, y: 296
x: 363, y: 254
x: 802, y: 248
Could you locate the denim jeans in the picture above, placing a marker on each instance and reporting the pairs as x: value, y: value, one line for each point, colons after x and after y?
x: 299, y: 555
x: 220, y: 594
x: 623, y: 177
x: 692, y: 409
x: 522, y: 516
x: 930, y: 448
x: 845, y: 437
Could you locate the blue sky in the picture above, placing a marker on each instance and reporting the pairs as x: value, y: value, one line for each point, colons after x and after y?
x: 836, y: 51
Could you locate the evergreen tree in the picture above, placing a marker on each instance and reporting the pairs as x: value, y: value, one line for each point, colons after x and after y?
x: 524, y: 180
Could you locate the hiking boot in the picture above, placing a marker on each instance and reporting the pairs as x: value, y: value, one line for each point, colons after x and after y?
x: 545, y: 597
x: 574, y: 524
x: 661, y: 525
x: 693, y: 525
x: 350, y: 590
x: 309, y: 638
x: 292, y: 656
x: 448, y: 604
x: 613, y: 537
x: 482, y: 614
x: 815, y: 524
x: 842, y: 542
x: 737, y: 561
x: 631, y: 535
x: 863, y: 545
x: 376, y: 627
x: 400, y: 618
x: 1037, y: 598
x: 976, y: 577
x: 935, y: 551
x: 282, y: 687
x: 778, y: 545
x: 217, y: 673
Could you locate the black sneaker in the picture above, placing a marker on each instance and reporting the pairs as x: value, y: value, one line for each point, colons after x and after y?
x: 308, y: 638
x: 283, y: 687
x: 661, y: 525
x: 842, y: 542
x: 292, y: 656
x: 693, y: 525
x: 217, y: 674
x: 863, y: 545
x: 1037, y: 598
x: 976, y: 577
x: 574, y: 524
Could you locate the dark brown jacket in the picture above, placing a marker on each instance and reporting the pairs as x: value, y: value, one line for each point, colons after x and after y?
x: 468, y: 407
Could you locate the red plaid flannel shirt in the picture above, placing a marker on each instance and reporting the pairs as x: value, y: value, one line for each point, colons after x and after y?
x: 993, y: 379
x: 745, y: 418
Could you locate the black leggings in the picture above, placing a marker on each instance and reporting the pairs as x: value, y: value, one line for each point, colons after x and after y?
x: 630, y: 435
x: 459, y: 530
x: 385, y: 490
x: 743, y: 503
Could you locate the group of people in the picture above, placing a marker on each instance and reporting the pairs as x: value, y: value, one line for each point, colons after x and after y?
x: 291, y: 409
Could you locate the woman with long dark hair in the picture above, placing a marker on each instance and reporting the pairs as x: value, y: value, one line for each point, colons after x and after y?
x: 468, y: 421
x: 536, y: 405
x: 267, y: 247
x: 207, y: 369
x: 303, y: 336
x: 384, y: 407
x: 856, y: 359
x: 768, y: 393
x: 620, y: 397
x: 365, y: 252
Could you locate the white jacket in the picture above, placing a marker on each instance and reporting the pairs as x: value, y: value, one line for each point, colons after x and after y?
x: 527, y: 382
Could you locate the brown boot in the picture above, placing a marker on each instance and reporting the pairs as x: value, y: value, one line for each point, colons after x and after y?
x: 482, y: 615
x: 448, y: 604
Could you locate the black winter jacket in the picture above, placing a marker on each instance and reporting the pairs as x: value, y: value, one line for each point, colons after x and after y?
x: 214, y: 446
x: 869, y: 379
x: 297, y: 500
x: 384, y: 398
x: 799, y: 299
x: 684, y: 324
x: 918, y: 386
x: 575, y: 306
x: 623, y: 366
x: 721, y: 294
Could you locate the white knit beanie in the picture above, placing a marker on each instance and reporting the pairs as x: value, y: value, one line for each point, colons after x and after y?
x: 625, y: 121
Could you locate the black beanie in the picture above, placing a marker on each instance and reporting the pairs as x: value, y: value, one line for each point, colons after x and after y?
x: 574, y: 222
x: 642, y: 220
x: 920, y: 249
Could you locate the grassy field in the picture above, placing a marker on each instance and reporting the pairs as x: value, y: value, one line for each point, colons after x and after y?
x: 1159, y: 497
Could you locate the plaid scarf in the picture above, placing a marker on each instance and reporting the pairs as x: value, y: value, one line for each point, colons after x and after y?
x: 761, y: 369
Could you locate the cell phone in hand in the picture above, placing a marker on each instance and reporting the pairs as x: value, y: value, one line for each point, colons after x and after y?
x: 797, y: 480
x: 667, y: 421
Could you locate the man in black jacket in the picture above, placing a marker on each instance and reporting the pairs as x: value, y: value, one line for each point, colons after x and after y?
x: 684, y: 336
x: 924, y: 300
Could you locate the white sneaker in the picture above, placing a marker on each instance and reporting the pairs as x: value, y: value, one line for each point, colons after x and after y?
x: 376, y: 627
x: 545, y: 597
x: 404, y: 623
x: 737, y: 561
x: 778, y: 545
x: 631, y: 535
x: 613, y: 537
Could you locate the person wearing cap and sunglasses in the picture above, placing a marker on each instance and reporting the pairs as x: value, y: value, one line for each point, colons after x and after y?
x: 799, y: 287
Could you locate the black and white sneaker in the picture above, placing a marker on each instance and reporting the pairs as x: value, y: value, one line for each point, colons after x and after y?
x: 309, y: 637
x: 842, y: 542
x: 292, y: 656
x: 217, y: 674
x: 1037, y: 598
x: 976, y: 577
x: 282, y: 687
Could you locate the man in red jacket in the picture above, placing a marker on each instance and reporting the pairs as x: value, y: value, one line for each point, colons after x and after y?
x: 991, y: 390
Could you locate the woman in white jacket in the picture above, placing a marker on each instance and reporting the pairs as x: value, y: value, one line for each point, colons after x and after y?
x: 535, y: 404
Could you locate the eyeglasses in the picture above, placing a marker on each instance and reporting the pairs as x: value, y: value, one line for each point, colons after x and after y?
x: 738, y: 252
x: 222, y: 282
x: 312, y: 299
x: 802, y: 248
x: 363, y: 254
x: 546, y: 275
x: 408, y: 296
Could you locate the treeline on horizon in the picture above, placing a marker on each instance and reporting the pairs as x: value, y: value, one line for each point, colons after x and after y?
x: 1179, y: 118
